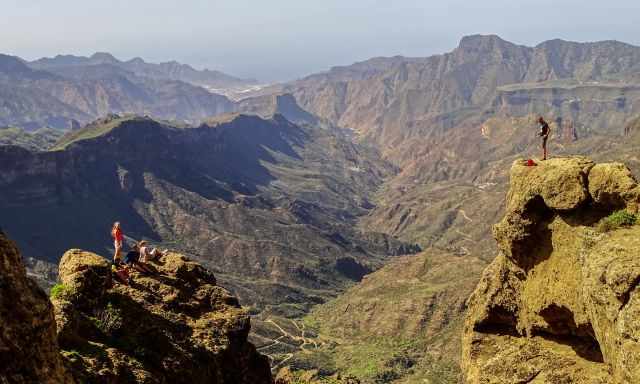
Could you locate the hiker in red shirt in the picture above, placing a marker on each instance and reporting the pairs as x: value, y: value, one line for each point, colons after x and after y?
x: 116, y: 233
x: 544, y: 133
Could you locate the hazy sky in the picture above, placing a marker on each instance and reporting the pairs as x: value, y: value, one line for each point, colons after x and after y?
x: 285, y: 39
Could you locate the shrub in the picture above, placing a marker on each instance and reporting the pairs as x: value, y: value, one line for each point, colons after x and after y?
x: 616, y: 220
x: 59, y: 291
x: 108, y: 320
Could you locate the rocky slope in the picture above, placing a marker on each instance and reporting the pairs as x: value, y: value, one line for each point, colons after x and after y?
x: 175, y: 325
x: 28, y: 347
x: 559, y: 302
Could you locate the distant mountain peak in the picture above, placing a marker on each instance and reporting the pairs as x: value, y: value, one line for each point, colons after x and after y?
x: 480, y: 38
x: 104, y: 57
x: 136, y: 60
x: 15, y: 66
x: 8, y: 61
x: 483, y: 42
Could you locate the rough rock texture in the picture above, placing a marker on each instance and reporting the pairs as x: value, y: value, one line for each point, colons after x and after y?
x: 173, y: 326
x: 28, y: 348
x: 560, y: 303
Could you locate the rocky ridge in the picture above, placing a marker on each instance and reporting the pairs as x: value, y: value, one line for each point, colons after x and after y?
x: 560, y: 301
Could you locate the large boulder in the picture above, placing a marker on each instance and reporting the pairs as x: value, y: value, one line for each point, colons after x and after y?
x: 612, y: 184
x: 85, y: 274
x: 560, y: 182
x: 560, y: 302
x: 28, y: 348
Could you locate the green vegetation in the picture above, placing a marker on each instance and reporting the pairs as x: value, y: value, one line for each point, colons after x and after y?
x: 39, y: 140
x: 379, y: 360
x: 96, y: 129
x: 72, y: 355
x: 60, y: 291
x: 616, y: 220
x: 108, y: 320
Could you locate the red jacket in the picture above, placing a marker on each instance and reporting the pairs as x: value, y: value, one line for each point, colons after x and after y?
x: 117, y: 234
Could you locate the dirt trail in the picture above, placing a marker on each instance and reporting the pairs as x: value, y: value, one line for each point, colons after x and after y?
x: 306, y: 342
x: 464, y: 214
x: 301, y: 338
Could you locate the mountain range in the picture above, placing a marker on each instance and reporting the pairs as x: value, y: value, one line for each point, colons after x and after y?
x: 67, y: 91
x: 171, y: 70
x: 303, y: 192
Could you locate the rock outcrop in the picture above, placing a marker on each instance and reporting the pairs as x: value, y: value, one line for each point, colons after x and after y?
x: 28, y: 348
x: 560, y: 302
x: 173, y: 326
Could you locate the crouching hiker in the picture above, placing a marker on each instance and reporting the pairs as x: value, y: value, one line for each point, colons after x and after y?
x: 132, y: 259
x: 148, y: 253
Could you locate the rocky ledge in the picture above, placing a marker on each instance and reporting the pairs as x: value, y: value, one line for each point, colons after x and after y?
x: 560, y: 303
x: 171, y: 326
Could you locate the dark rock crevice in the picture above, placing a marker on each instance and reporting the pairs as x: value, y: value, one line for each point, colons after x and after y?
x: 499, y: 321
x: 562, y: 328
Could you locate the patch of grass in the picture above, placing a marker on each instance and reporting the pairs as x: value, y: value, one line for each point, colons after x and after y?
x: 377, y: 360
x: 96, y: 129
x: 72, y: 354
x: 39, y: 140
x: 60, y: 291
x: 88, y: 349
x: 616, y: 220
x: 318, y: 360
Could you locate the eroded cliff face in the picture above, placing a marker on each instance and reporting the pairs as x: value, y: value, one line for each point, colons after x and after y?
x: 173, y: 326
x: 560, y: 302
x: 28, y: 348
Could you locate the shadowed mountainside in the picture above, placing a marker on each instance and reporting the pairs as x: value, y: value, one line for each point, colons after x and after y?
x: 268, y: 205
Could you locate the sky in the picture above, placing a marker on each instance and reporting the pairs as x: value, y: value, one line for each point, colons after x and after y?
x: 278, y: 40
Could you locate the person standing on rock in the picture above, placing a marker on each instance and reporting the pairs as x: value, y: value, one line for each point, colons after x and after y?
x: 116, y: 233
x: 544, y: 133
